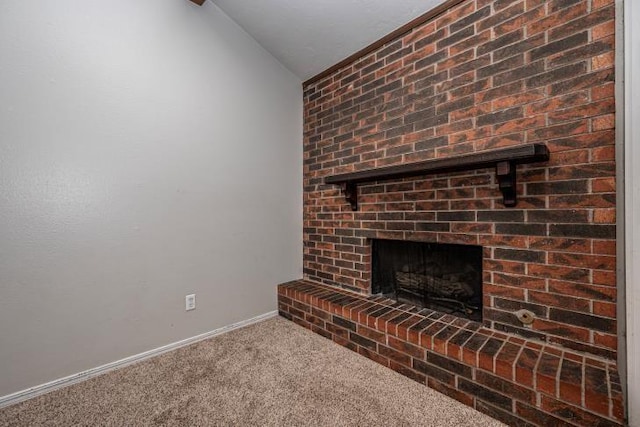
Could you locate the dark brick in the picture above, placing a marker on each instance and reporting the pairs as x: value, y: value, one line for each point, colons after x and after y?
x: 456, y: 216
x: 451, y: 391
x: 593, y: 231
x: 432, y: 121
x: 548, y: 368
x: 392, y: 354
x: 461, y: 337
x: 320, y: 331
x: 429, y: 39
x: 508, y: 64
x: 431, y: 59
x: 418, y: 115
x: 582, y: 81
x: 518, y: 48
x: 424, y: 322
x: 595, y: 381
x: 525, y: 71
x: 446, y: 333
x: 375, y: 66
x: 471, y: 42
x: 433, y: 371
x: 374, y: 84
x: 557, y: 187
x: 584, y: 320
x: 594, y: 170
x: 449, y: 365
x: 501, y: 91
x: 285, y: 315
x: 571, y: 381
x: 373, y: 355
x: 587, y: 21
x: 557, y: 5
x: 455, y: 37
x: 505, y: 387
x: 519, y: 255
x: 469, y: 89
x: 383, y: 311
x: 511, y: 305
x: 492, y: 347
x: 558, y: 215
x: 506, y: 417
x: 399, y: 319
x: 458, y: 104
x: 407, y: 348
x: 502, y: 16
x: 500, y: 316
x: 388, y: 49
x: 522, y: 229
x: 398, y: 54
x: 470, y: 19
x: 362, y: 341
x: 501, y: 4
x: 389, y: 87
x: 501, y: 216
x: 523, y: 332
x: 336, y: 299
x: 499, y: 116
x: 563, y: 73
x: 297, y: 313
x: 584, y: 52
x: 476, y: 342
x: 505, y: 40
x: 573, y: 414
x: 485, y: 394
x: 432, y: 143
x: 364, y: 98
x: 433, y: 226
x: 407, y: 372
x: 537, y: 417
x: 525, y: 366
x: 559, y: 46
x: 315, y: 320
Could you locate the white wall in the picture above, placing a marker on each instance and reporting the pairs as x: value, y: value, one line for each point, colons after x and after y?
x: 148, y: 149
x: 632, y: 204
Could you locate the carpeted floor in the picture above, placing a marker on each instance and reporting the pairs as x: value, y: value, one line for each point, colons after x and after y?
x: 274, y: 373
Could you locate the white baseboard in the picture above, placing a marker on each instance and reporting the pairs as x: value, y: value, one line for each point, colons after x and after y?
x: 38, y: 390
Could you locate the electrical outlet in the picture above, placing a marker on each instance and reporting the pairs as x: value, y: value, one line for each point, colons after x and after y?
x: 190, y: 302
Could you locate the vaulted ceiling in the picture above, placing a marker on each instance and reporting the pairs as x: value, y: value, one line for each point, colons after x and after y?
x: 310, y: 36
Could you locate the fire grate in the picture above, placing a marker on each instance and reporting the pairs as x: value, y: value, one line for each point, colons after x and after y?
x: 438, y: 276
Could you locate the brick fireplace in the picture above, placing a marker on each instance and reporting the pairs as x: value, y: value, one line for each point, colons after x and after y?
x: 476, y: 77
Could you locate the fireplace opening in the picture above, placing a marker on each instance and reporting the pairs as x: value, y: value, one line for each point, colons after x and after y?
x: 438, y: 276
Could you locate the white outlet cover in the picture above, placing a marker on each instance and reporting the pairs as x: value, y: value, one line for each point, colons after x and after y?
x: 190, y: 302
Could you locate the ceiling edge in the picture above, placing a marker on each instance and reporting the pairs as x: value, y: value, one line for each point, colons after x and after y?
x: 438, y: 10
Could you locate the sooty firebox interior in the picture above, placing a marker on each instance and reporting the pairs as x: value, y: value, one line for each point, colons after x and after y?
x: 442, y: 277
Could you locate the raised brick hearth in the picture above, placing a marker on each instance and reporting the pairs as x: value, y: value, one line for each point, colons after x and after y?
x: 518, y: 381
x: 479, y: 76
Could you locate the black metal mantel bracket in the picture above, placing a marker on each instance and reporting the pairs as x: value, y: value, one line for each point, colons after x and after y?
x: 503, y: 159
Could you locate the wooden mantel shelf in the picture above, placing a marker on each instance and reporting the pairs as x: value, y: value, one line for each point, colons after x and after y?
x: 503, y: 159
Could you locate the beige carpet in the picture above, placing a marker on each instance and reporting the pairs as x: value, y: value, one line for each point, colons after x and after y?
x: 274, y: 373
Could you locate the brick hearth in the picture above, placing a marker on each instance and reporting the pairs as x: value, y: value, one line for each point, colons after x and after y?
x: 515, y: 380
x: 480, y: 76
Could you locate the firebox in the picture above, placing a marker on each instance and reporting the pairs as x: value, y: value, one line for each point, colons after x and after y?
x: 438, y: 276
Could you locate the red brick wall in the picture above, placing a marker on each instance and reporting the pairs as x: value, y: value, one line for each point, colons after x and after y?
x: 484, y: 74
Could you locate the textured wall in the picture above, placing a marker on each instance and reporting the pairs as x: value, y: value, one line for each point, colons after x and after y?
x: 483, y: 75
x: 148, y: 149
